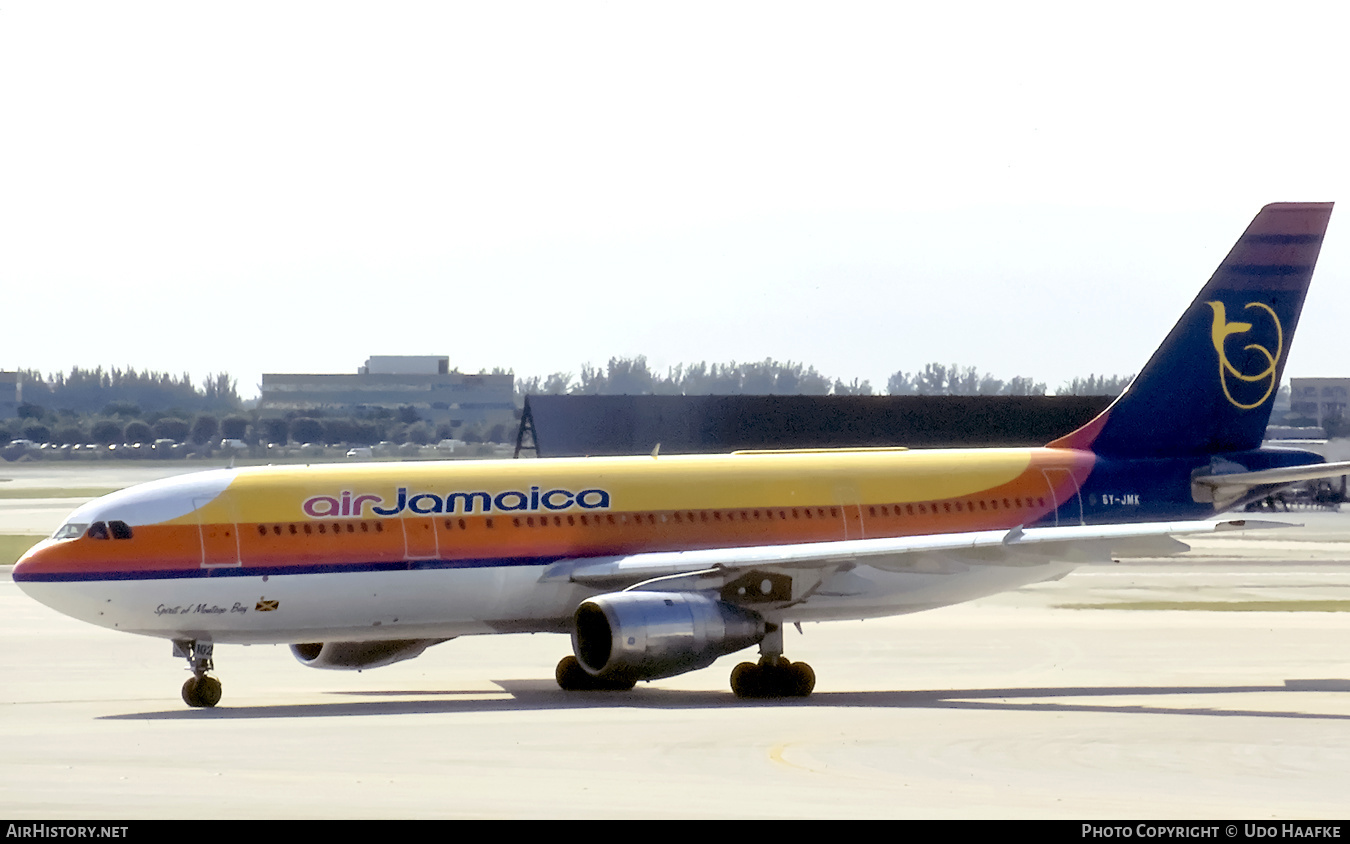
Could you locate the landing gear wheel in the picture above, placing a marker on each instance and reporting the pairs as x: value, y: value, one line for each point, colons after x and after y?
x: 803, y: 679
x: 745, y: 680
x: 772, y: 678
x: 201, y: 691
x: 572, y: 677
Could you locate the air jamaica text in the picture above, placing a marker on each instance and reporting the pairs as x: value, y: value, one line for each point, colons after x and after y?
x: 348, y: 504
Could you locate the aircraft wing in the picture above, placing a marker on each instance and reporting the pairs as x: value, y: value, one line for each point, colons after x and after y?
x: 1029, y: 546
x: 1225, y: 488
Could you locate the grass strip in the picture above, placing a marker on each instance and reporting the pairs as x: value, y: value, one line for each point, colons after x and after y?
x: 12, y: 546
x: 56, y: 492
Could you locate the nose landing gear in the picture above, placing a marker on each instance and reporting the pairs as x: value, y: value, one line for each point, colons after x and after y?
x: 199, y: 690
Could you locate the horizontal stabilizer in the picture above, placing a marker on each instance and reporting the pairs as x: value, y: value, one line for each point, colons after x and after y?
x: 1224, y: 489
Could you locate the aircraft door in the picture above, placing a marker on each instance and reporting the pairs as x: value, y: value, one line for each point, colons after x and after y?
x: 419, y: 539
x: 848, y: 498
x: 220, y: 538
x: 1068, y: 504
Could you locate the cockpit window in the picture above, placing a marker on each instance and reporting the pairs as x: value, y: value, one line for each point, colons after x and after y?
x: 110, y: 530
x: 98, y: 530
x: 70, y: 530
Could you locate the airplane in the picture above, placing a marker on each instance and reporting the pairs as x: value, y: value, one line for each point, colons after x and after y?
x: 659, y: 565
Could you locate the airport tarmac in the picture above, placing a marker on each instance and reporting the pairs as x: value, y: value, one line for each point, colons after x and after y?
x: 1010, y: 707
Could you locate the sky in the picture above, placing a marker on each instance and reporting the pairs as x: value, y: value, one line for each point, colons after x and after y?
x: 1033, y: 189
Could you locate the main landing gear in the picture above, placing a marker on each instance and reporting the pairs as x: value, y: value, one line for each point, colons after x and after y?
x: 199, y: 690
x: 774, y: 676
x: 572, y: 677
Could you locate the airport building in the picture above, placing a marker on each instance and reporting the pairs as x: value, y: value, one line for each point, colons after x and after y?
x: 1319, y: 398
x: 574, y: 426
x: 11, y: 394
x: 424, y: 383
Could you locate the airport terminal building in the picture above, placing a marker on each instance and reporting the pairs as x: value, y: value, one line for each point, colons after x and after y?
x: 1319, y: 398
x: 425, y: 383
x: 11, y: 394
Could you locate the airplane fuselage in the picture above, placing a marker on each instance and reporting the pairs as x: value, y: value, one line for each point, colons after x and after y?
x: 440, y: 549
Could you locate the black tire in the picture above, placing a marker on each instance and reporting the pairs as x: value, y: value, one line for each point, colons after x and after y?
x: 747, y: 681
x: 201, y: 692
x: 572, y: 677
x: 190, y: 692
x: 803, y: 679
x: 208, y: 691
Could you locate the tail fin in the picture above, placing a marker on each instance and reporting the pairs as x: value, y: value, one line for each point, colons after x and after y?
x: 1211, y: 385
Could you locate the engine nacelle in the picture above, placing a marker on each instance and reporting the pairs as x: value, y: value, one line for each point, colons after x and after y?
x: 355, y: 656
x: 649, y: 635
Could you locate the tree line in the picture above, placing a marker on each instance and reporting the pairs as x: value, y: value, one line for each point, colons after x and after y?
x: 633, y: 376
x: 106, y: 407
x: 91, y: 390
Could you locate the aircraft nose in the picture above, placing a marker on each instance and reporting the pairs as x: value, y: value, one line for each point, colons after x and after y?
x: 34, y: 563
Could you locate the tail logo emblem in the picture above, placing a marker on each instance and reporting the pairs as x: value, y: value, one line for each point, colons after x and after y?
x: 1229, y: 375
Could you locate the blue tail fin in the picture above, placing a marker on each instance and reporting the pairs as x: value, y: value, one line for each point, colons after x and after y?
x: 1211, y: 385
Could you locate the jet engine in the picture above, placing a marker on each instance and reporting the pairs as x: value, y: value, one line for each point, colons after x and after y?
x: 355, y: 656
x: 649, y: 635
